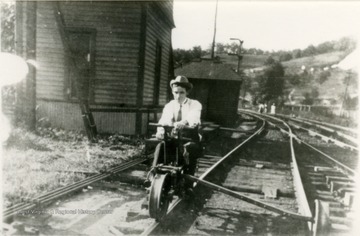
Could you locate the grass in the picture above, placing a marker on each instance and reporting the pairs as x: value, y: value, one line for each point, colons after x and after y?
x: 35, y: 163
x: 318, y: 61
x: 292, y: 66
x: 248, y: 61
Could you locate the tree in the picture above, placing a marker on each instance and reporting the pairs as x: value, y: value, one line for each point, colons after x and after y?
x: 310, y: 96
x: 309, y: 51
x: 315, y: 93
x: 269, y: 61
x: 325, y: 47
x: 233, y: 47
x: 345, y: 44
x: 324, y: 75
x: 295, y: 79
x: 272, y: 82
x: 285, y: 56
x: 297, y: 53
x: 220, y: 48
x: 196, y: 52
x: 7, y: 26
x: 308, y: 99
x: 182, y: 56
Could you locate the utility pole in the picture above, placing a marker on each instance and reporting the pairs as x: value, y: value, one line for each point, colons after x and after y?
x: 213, y: 43
x: 347, y: 79
x: 238, y: 53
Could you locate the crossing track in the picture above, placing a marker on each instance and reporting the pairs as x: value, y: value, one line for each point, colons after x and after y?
x: 330, y: 187
x: 339, y: 135
x: 351, y: 131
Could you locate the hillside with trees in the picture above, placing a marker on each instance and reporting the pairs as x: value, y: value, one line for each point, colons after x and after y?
x: 300, y: 76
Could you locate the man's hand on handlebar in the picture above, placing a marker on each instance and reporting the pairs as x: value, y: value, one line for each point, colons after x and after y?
x: 180, y: 125
x: 176, y: 127
x: 160, y: 134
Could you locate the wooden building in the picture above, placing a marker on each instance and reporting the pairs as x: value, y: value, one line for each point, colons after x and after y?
x: 116, y: 56
x: 216, y: 87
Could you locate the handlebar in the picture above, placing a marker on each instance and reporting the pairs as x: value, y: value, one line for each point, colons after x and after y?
x: 171, y: 126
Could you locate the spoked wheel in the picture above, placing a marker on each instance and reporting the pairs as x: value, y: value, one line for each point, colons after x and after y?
x: 159, y: 196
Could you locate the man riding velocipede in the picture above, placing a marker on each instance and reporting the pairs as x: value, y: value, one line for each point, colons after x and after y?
x: 177, y: 151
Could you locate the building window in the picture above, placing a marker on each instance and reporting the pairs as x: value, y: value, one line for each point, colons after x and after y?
x: 157, y: 78
x: 81, y: 64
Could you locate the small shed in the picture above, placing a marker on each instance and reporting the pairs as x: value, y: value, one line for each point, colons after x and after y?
x: 216, y: 87
x: 115, y: 55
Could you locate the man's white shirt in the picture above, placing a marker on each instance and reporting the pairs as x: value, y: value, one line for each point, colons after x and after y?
x: 190, y: 110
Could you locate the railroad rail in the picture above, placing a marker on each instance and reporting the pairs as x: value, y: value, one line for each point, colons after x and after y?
x: 337, y: 132
x: 353, y: 131
x: 304, y: 207
x: 330, y: 185
x: 46, y: 198
x: 328, y: 158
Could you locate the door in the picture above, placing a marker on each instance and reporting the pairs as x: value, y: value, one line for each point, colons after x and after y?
x: 81, y: 67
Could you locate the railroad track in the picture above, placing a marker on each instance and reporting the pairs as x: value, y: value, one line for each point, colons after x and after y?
x: 351, y: 131
x: 259, y: 202
x: 207, y: 167
x: 329, y: 186
x: 40, y: 204
x: 339, y: 135
x: 46, y: 198
x: 344, y: 154
x: 255, y: 193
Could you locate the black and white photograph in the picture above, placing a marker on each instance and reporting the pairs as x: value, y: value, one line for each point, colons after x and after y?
x: 179, y: 117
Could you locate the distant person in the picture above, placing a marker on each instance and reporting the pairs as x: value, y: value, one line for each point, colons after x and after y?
x: 261, y: 108
x: 265, y: 108
x: 272, y: 109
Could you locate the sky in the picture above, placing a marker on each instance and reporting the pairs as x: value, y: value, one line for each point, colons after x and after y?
x: 266, y: 25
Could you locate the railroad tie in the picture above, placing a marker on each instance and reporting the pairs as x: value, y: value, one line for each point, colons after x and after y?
x: 335, y: 185
x: 330, y: 178
x: 270, y: 192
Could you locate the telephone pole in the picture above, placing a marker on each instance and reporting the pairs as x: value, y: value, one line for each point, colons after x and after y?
x: 213, y: 43
x: 238, y: 53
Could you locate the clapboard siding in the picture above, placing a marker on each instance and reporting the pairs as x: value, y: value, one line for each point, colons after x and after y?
x: 118, y: 79
x: 167, y: 10
x: 108, y: 77
x: 50, y: 56
x: 61, y: 114
x: 123, y: 122
x: 68, y: 116
x: 117, y: 28
x: 157, y: 31
x: 144, y: 123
